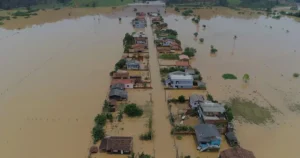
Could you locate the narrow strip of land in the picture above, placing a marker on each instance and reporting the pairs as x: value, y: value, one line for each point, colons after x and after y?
x: 163, y: 141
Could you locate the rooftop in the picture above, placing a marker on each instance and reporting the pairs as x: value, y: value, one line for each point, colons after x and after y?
x: 120, y: 74
x: 237, y: 152
x: 118, y: 92
x: 206, y: 132
x: 121, y: 81
x: 182, y: 63
x: 208, y: 106
x: 116, y: 143
x: 132, y: 62
x: 139, y: 34
x: 117, y: 86
x: 183, y: 57
x: 181, y: 77
x: 196, y: 97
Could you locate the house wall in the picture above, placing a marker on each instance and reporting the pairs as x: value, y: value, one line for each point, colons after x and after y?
x: 129, y: 85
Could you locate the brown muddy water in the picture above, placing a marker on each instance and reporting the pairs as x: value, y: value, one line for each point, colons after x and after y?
x: 54, y: 77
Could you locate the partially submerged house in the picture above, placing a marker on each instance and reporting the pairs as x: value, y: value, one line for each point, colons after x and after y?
x: 195, y: 100
x: 183, y: 64
x: 124, y: 83
x: 118, y: 94
x: 139, y: 22
x: 175, y: 46
x: 208, y: 137
x: 183, y: 57
x: 212, y: 112
x: 236, y: 152
x: 120, y: 75
x: 138, y: 48
x: 179, y: 81
x: 117, y: 145
x: 133, y: 64
x: 163, y: 49
x: 140, y: 38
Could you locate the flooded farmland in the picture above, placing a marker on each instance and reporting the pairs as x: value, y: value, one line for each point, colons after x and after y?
x: 54, y: 78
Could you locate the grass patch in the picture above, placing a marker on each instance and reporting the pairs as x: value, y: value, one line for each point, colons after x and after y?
x: 179, y: 137
x: 169, y: 56
x: 249, y: 111
x: 229, y: 77
x: 1, y: 23
x: 233, y: 2
x: 101, y: 3
x: 295, y: 108
x: 296, y: 75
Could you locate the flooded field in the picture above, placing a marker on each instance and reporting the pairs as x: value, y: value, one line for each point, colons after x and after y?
x: 55, y: 76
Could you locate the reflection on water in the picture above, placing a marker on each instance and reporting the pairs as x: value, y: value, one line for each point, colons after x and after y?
x: 54, y: 75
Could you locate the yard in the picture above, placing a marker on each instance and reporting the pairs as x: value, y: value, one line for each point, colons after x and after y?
x: 186, y: 93
x: 187, y: 146
x: 178, y: 111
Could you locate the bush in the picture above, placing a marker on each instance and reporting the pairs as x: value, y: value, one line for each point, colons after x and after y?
x: 98, y: 133
x: 120, y: 116
x: 120, y: 64
x: 296, y: 75
x: 229, y: 76
x: 1, y: 23
x: 177, y: 9
x: 132, y: 110
x: 181, y: 99
x: 110, y: 117
x: 146, y: 136
x: 196, y: 34
x: 100, y: 119
x: 201, y: 40
x: 229, y: 113
x: 169, y: 56
x: 210, y: 98
x: 187, y: 12
x: 179, y: 137
x: 182, y: 128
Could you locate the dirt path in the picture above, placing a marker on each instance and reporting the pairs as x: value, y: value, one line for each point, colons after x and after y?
x: 163, y: 141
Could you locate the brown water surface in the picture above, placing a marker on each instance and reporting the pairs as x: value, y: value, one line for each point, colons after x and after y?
x: 54, y: 78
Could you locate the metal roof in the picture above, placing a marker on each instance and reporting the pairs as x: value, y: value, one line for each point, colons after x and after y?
x: 181, y: 77
x: 212, y: 107
x: 206, y: 133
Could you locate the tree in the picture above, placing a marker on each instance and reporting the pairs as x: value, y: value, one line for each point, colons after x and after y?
x: 128, y: 40
x: 120, y: 64
x: 213, y: 49
x: 94, y: 4
x: 98, y: 133
x: 201, y: 40
x: 196, y: 34
x: 246, y: 78
x: 189, y: 51
x: 100, y: 119
x: 181, y: 99
x: 228, y: 113
x: 132, y: 110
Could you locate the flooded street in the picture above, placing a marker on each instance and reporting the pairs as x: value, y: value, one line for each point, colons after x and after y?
x: 55, y: 77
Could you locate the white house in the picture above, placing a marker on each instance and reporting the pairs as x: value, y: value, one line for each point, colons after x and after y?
x: 180, y: 81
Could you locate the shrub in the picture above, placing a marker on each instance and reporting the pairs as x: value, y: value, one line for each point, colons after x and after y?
x: 1, y: 23
x: 296, y: 75
x: 196, y: 34
x: 120, y: 64
x: 132, y: 110
x: 177, y: 9
x: 179, y: 137
x: 210, y: 98
x: 229, y: 76
x: 146, y: 136
x: 120, y: 116
x: 201, y: 40
x: 110, y: 117
x: 100, y: 119
x: 181, y: 99
x: 229, y: 113
x: 98, y: 133
x: 187, y: 12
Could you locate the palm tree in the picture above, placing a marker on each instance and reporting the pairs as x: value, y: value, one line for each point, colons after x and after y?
x: 246, y: 78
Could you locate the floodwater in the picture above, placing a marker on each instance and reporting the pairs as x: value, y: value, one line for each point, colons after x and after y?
x: 54, y: 77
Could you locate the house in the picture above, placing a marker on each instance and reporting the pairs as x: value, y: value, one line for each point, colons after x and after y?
x: 140, y: 38
x: 183, y: 57
x: 212, y: 112
x: 117, y: 144
x: 231, y: 139
x: 236, y: 152
x: 167, y: 42
x: 176, y: 73
x: 140, y: 14
x: 180, y: 81
x: 208, y: 137
x: 195, y: 100
x: 126, y: 83
x: 183, y: 64
x: 138, y: 48
x: 119, y: 86
x: 175, y: 46
x: 120, y: 75
x: 118, y: 94
x: 133, y: 64
x: 139, y: 22
x: 163, y: 49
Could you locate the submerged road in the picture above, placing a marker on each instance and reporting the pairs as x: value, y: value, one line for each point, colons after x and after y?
x: 163, y: 141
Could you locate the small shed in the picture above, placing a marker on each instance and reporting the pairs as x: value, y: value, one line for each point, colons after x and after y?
x: 236, y: 152
x: 117, y: 145
x: 183, y: 57
x: 118, y: 94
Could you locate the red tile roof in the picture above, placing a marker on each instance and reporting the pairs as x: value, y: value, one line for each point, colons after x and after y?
x: 124, y: 81
x: 136, y: 46
x: 182, y: 63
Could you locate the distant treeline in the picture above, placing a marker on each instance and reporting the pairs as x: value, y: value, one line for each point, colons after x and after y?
x: 9, y: 4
